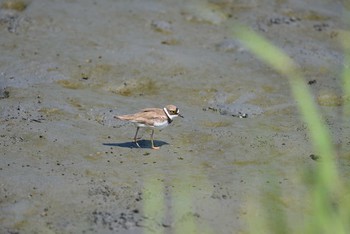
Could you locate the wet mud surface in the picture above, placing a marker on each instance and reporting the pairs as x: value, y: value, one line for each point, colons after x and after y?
x: 68, y: 67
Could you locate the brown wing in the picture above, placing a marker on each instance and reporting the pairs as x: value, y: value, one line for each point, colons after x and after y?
x: 156, y: 110
x: 146, y: 116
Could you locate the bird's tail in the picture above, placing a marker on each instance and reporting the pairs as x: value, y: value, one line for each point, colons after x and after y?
x: 123, y: 117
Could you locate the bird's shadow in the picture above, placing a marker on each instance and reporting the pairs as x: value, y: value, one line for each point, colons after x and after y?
x: 144, y: 144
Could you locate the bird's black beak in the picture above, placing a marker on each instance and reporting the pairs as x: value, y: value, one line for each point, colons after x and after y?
x: 180, y: 115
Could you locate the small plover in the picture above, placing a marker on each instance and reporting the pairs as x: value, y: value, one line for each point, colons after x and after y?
x: 152, y: 118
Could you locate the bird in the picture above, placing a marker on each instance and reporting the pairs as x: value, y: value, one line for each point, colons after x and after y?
x: 152, y: 118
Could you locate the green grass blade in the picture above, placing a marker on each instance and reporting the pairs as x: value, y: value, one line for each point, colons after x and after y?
x: 153, y: 205
x: 325, y: 218
x: 345, y: 40
x: 274, y: 57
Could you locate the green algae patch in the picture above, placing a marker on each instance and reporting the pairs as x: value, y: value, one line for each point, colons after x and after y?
x: 14, y: 5
x: 217, y: 124
x: 330, y: 99
x: 68, y: 84
x: 137, y: 87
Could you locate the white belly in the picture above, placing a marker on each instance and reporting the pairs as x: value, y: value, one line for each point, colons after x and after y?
x: 159, y: 125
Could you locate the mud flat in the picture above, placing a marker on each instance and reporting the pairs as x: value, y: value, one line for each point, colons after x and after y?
x: 67, y: 67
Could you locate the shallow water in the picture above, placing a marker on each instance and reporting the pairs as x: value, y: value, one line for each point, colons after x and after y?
x: 67, y: 67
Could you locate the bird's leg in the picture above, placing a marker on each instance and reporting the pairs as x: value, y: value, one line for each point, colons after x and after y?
x: 153, y: 147
x: 135, y: 138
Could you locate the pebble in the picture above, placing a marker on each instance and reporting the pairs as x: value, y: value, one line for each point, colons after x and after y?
x: 229, y: 45
x: 162, y: 26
